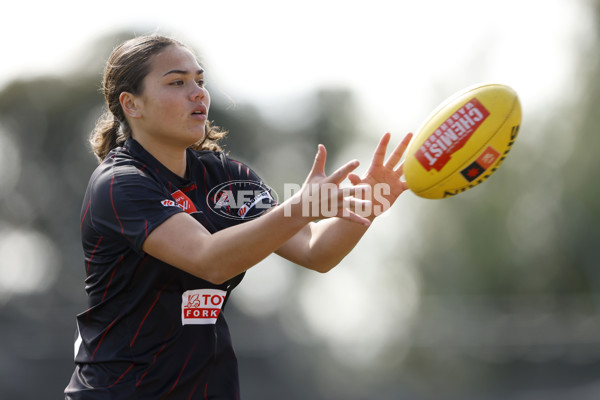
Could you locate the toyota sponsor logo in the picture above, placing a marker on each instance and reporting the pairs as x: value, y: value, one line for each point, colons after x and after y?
x: 202, y: 306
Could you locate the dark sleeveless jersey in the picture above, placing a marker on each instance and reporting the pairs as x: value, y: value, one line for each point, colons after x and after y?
x: 153, y: 331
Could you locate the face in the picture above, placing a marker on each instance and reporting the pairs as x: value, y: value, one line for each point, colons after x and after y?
x: 173, y: 107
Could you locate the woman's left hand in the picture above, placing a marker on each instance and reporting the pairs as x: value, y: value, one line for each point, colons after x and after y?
x: 384, y: 177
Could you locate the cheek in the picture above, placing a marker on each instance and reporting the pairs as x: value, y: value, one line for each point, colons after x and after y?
x: 169, y: 107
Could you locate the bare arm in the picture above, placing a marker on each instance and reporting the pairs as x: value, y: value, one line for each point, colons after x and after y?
x: 322, y: 245
x: 183, y: 242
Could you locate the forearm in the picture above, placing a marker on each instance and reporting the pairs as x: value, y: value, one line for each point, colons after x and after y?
x: 185, y: 244
x: 238, y: 248
x: 320, y: 246
x: 332, y: 240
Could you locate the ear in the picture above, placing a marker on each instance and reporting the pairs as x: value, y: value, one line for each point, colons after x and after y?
x: 130, y: 105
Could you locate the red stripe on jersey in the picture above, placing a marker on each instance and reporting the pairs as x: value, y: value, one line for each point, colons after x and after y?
x: 198, y: 382
x: 122, y: 375
x: 195, y: 387
x: 189, y: 188
x: 87, y: 270
x: 240, y: 166
x: 102, y: 339
x: 183, y: 368
x: 229, y: 178
x: 154, y: 359
x: 146, y: 316
x: 112, y: 201
x: 141, y: 265
x: 112, y: 276
x: 205, y: 185
x: 85, y: 213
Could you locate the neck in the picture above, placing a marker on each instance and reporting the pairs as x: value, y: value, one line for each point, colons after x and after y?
x: 170, y: 155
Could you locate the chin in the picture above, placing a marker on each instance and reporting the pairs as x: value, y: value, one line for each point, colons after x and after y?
x: 197, y: 139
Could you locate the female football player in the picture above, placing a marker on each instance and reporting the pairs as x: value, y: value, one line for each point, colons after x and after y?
x: 169, y: 226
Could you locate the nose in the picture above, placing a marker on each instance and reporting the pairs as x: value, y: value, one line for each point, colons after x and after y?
x: 198, y: 93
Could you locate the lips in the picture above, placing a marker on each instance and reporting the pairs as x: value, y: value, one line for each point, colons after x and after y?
x: 200, y: 112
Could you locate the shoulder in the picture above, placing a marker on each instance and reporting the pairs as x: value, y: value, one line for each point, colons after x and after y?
x: 120, y: 171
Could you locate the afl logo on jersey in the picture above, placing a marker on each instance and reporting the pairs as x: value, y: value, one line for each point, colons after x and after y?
x: 236, y: 199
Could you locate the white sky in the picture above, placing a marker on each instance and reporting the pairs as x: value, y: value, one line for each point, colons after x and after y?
x: 401, y: 57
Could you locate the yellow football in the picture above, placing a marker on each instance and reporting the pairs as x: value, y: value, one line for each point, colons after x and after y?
x: 463, y: 142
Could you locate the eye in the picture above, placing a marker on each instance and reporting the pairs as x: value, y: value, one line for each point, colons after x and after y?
x: 176, y: 83
x: 201, y: 83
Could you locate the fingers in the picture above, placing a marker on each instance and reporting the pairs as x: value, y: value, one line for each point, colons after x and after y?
x: 357, y: 204
x: 324, y: 192
x: 379, y: 154
x: 359, y: 191
x: 400, y: 170
x: 354, y: 179
x: 398, y: 152
x: 354, y: 208
x: 342, y: 172
x: 352, y: 216
x: 318, y: 167
x: 328, y: 200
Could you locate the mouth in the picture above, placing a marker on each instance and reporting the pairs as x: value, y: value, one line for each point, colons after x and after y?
x: 200, y: 112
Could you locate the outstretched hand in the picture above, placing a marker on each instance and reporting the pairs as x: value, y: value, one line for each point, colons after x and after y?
x: 322, y: 197
x: 385, y: 176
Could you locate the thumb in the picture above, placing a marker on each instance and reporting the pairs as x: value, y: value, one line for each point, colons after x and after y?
x: 354, y: 179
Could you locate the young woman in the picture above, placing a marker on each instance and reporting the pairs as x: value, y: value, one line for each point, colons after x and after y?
x: 165, y: 240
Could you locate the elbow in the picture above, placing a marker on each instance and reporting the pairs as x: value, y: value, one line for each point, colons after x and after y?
x: 214, y: 276
x: 216, y: 280
x: 323, y: 267
x: 214, y: 270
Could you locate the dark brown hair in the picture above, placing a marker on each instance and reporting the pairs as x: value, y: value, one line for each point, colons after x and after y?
x: 125, y: 70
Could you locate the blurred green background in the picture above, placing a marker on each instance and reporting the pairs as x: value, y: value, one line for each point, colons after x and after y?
x: 493, y: 294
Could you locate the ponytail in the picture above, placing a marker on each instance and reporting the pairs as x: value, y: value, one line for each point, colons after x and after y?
x: 107, y: 135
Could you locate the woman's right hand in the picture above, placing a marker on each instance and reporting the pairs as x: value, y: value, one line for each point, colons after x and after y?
x: 322, y: 197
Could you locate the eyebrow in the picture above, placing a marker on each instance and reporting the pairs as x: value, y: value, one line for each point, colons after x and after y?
x: 183, y: 72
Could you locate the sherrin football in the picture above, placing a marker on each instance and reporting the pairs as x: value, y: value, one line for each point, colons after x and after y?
x: 463, y: 142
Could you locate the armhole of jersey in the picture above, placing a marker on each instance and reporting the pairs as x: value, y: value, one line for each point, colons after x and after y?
x: 232, y: 284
